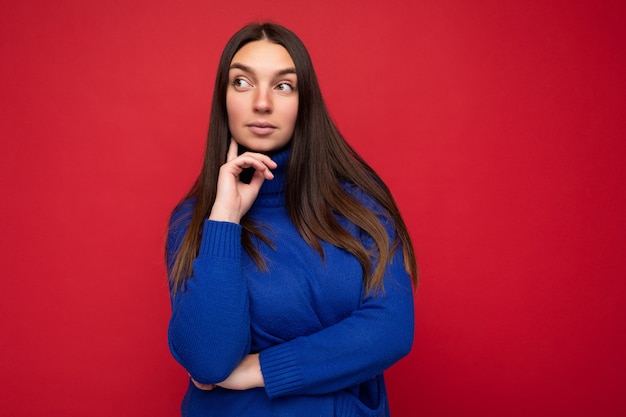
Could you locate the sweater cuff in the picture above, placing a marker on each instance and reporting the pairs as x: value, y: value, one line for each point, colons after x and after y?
x: 221, y: 240
x: 281, y: 372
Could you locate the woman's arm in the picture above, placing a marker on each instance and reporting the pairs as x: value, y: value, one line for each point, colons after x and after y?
x: 353, y: 350
x: 209, y: 330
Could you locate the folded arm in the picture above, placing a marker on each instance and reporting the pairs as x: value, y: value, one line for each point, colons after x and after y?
x: 209, y: 330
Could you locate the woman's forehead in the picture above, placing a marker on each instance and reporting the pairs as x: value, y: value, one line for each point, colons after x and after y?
x: 258, y: 55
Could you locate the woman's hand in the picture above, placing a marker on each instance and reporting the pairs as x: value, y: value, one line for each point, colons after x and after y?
x: 234, y: 198
x: 246, y: 375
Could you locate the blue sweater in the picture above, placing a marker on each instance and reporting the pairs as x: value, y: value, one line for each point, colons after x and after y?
x: 323, y: 342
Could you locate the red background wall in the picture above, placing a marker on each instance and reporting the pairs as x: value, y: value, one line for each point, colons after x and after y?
x: 497, y: 124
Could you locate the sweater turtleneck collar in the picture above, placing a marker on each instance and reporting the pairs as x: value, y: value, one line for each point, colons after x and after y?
x: 272, y: 191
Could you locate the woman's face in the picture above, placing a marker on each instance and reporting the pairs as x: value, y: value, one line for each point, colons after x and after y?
x: 262, y: 96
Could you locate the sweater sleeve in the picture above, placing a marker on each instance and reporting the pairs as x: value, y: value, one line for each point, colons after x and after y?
x: 209, y: 330
x: 353, y: 350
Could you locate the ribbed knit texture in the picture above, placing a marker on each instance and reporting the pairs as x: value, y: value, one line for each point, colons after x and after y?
x: 281, y: 370
x: 221, y: 241
x: 323, y: 345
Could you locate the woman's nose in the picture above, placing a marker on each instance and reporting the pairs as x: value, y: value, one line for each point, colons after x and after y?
x: 263, y: 100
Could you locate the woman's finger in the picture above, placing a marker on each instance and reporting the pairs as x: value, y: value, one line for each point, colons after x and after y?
x: 260, y: 163
x: 232, y: 150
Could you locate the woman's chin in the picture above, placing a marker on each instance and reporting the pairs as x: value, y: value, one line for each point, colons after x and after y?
x: 262, y: 145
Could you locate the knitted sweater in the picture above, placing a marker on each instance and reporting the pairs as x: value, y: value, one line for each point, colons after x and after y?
x: 323, y: 342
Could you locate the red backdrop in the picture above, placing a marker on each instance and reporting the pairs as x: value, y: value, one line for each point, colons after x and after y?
x: 495, y: 123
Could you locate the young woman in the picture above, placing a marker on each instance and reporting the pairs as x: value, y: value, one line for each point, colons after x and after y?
x: 289, y: 264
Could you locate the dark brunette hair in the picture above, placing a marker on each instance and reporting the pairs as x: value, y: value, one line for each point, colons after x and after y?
x: 321, y: 169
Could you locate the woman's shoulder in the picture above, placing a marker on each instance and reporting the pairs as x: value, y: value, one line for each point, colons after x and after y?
x: 180, y: 220
x: 182, y: 212
x: 178, y: 225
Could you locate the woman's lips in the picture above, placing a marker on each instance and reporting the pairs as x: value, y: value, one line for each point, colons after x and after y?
x: 261, y: 129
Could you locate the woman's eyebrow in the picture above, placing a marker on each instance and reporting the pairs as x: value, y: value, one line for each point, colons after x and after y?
x: 245, y: 68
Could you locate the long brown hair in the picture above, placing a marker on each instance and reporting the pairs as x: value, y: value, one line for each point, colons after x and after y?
x: 320, y: 165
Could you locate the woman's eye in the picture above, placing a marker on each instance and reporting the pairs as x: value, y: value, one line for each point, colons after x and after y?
x: 285, y: 87
x: 241, y: 83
